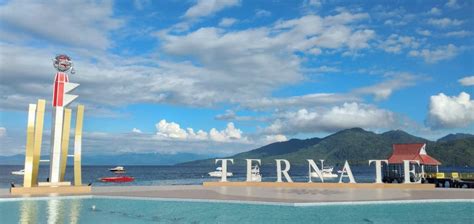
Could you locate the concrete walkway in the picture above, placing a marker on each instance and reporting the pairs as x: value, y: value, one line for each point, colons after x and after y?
x: 286, y: 195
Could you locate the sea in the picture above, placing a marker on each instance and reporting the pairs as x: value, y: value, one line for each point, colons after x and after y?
x: 186, y: 175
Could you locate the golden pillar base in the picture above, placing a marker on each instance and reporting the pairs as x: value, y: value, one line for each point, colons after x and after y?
x: 45, y: 190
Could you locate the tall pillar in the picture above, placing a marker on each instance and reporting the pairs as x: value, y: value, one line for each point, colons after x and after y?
x: 65, y: 142
x: 78, y: 146
x: 38, y: 139
x: 30, y: 144
x: 55, y: 156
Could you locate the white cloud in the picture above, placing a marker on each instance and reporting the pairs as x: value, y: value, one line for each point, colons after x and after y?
x: 229, y: 134
x: 434, y: 11
x: 262, y: 13
x: 275, y: 138
x: 396, y: 43
x: 312, y: 3
x: 360, y: 39
x: 441, y: 53
x: 141, y: 4
x: 136, y: 130
x: 445, y: 22
x: 299, y: 101
x: 460, y: 33
x: 231, y: 115
x: 258, y: 54
x: 3, y: 131
x: 452, y: 4
x: 226, y: 22
x: 208, y: 7
x: 393, y: 16
x: 423, y: 32
x: 86, y: 25
x: 115, y: 143
x: 321, y: 69
x: 199, y: 135
x: 383, y: 90
x: 172, y: 130
x: 348, y: 115
x: 451, y: 111
x: 467, y: 81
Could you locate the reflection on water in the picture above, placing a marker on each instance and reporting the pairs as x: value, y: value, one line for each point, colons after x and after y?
x: 56, y: 211
x: 28, y: 211
x: 54, y: 206
x: 77, y: 210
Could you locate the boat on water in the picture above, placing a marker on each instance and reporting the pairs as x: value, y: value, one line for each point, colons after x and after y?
x: 326, y: 172
x: 255, y: 174
x: 117, y: 179
x: 18, y: 172
x: 117, y: 169
x: 218, y: 173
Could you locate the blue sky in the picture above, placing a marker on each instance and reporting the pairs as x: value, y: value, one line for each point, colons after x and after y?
x: 219, y: 77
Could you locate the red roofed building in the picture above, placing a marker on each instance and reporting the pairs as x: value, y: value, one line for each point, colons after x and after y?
x: 411, y: 152
x: 401, y: 152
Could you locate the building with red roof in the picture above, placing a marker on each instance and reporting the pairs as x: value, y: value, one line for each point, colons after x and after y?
x: 401, y: 152
x: 412, y: 152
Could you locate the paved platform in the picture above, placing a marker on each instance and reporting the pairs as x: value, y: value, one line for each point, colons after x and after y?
x: 313, y: 185
x: 286, y: 195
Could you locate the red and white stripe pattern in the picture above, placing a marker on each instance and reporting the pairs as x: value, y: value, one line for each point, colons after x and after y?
x: 58, y: 92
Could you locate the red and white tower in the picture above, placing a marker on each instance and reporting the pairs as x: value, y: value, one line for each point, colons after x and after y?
x: 61, y: 99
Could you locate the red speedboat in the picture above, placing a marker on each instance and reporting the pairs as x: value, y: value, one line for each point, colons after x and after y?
x: 117, y: 179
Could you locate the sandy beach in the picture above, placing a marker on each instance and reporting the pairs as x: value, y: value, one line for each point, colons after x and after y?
x: 283, y: 195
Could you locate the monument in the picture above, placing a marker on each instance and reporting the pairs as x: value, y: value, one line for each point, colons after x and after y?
x: 60, y: 134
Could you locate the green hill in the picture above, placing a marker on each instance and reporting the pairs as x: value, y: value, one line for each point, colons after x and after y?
x: 355, y: 145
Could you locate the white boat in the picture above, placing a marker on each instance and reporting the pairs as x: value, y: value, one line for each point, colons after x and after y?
x: 326, y: 172
x: 117, y: 169
x: 18, y: 172
x: 218, y: 173
x: 255, y: 174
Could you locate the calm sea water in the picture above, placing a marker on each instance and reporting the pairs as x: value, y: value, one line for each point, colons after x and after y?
x: 109, y: 210
x: 183, y: 175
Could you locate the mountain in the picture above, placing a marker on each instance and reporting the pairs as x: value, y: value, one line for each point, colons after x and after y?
x: 356, y: 145
x: 120, y: 159
x: 401, y: 137
x: 458, y: 152
x: 457, y: 136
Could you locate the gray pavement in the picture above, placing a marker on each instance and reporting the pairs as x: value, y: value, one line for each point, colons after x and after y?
x: 285, y: 195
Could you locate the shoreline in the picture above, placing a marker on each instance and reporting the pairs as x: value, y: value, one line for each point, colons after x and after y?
x: 267, y: 195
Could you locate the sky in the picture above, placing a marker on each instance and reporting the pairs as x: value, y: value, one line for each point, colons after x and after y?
x: 217, y: 77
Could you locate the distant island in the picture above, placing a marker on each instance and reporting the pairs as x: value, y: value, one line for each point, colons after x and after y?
x: 357, y: 146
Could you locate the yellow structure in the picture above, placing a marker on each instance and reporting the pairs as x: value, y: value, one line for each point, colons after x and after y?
x: 33, y: 152
x: 65, y: 141
x: 78, y: 146
x: 34, y: 137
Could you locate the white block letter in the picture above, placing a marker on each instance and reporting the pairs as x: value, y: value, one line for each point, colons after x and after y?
x: 347, y: 169
x: 249, y: 168
x: 224, y: 168
x: 378, y: 169
x: 312, y: 164
x: 407, y: 171
x: 284, y: 172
